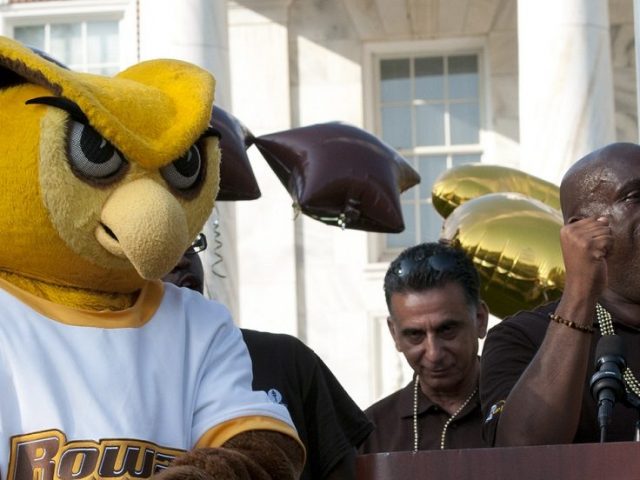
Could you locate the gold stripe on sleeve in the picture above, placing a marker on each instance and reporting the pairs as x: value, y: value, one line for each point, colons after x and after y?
x: 219, y: 434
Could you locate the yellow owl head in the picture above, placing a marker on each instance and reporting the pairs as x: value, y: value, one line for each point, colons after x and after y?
x: 105, y: 180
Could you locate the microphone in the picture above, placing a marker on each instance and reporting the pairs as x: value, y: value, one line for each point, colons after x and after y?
x: 606, y: 384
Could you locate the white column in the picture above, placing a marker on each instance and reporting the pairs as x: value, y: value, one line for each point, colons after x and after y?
x: 191, y: 30
x: 259, y: 53
x: 565, y: 82
x: 196, y: 31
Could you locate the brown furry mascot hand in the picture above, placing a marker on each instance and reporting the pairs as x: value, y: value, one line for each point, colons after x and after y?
x: 256, y: 455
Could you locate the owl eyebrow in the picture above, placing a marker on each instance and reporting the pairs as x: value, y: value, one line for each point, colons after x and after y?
x: 78, y: 115
x: 63, y: 103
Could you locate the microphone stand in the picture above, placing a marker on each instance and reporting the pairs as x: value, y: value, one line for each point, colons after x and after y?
x: 607, y: 384
x: 607, y: 387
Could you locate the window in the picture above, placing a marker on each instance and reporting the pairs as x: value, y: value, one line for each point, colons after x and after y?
x: 429, y: 109
x: 88, y: 46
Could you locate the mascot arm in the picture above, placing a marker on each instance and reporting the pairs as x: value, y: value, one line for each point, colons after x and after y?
x: 255, y: 454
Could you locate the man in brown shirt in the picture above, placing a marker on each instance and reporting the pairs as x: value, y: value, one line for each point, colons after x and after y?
x: 537, y: 366
x: 435, y: 318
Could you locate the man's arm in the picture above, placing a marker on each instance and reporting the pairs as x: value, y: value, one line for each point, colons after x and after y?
x: 544, y: 405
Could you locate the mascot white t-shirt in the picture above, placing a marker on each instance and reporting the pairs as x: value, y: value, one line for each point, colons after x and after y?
x: 120, y: 394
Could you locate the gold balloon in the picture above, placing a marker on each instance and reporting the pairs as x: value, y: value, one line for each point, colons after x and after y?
x: 514, y: 242
x: 460, y: 184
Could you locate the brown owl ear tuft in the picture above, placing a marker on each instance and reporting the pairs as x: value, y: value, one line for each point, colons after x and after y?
x: 237, y: 181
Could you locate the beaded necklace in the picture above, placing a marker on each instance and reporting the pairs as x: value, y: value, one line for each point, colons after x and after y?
x: 443, y: 435
x: 606, y: 328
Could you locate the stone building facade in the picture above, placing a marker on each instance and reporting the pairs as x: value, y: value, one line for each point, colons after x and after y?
x: 531, y: 84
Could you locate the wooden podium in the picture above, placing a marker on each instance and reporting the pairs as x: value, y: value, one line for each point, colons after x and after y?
x: 587, y: 461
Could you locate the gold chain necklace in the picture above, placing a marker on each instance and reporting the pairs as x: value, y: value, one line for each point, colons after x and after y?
x: 443, y: 435
x: 606, y: 328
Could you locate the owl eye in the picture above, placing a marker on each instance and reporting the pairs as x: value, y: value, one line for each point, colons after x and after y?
x: 184, y: 172
x: 91, y: 155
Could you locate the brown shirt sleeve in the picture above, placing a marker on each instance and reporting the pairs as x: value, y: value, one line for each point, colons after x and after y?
x: 507, y: 351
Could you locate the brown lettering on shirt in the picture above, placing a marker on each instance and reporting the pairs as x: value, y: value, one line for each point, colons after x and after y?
x: 48, y: 455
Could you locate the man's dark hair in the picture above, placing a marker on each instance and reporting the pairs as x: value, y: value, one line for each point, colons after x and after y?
x: 431, y: 265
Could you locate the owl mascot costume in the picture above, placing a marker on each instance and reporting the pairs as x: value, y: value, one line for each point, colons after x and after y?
x: 106, y: 372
